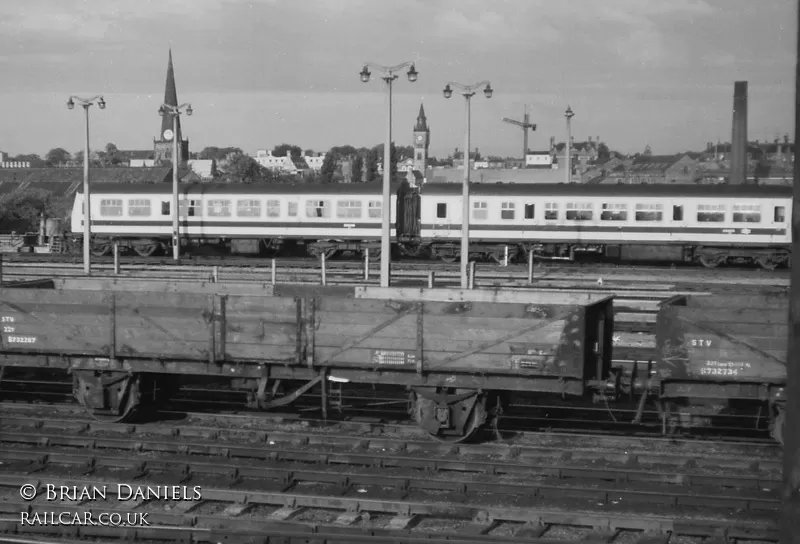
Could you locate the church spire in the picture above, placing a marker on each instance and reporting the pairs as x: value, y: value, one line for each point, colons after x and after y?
x: 422, y: 121
x: 170, y: 98
x: 164, y: 144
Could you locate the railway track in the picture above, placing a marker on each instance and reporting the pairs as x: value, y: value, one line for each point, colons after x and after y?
x: 371, y: 483
x: 305, y: 271
x: 217, y: 258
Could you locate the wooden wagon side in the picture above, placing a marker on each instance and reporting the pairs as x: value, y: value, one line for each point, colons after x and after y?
x: 448, y: 347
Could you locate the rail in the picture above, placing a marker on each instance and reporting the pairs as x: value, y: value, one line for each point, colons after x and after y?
x: 643, y: 285
x: 253, y: 479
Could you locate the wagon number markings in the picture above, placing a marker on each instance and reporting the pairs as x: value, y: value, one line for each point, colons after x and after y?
x: 10, y: 329
x: 8, y: 319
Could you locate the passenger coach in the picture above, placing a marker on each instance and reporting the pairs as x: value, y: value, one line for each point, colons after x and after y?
x: 249, y: 218
x: 708, y: 224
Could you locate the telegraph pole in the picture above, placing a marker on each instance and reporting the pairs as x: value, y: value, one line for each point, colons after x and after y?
x: 791, y: 435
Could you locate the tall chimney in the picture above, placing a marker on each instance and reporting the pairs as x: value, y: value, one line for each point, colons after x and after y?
x: 739, y: 137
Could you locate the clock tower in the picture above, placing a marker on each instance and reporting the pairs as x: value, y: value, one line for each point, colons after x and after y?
x: 422, y: 139
x: 164, y: 142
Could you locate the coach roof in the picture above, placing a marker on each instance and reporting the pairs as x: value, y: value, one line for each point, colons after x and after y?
x: 222, y: 189
x: 626, y: 190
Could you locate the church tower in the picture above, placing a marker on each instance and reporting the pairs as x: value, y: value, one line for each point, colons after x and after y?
x: 422, y: 139
x: 163, y: 144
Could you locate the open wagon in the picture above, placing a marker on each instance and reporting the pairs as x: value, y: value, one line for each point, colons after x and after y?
x: 452, y: 349
x: 716, y: 352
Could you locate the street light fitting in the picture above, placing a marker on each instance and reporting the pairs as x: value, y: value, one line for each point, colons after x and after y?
x: 365, y: 74
x: 161, y: 111
x: 189, y: 110
x: 569, y: 113
x: 412, y: 74
x: 70, y: 103
x: 488, y: 91
x: 448, y: 91
x: 102, y: 103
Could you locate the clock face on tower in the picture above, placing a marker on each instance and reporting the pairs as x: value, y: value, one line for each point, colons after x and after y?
x: 168, y: 134
x: 420, y: 138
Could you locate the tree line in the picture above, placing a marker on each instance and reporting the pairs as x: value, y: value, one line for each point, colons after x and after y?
x: 343, y: 163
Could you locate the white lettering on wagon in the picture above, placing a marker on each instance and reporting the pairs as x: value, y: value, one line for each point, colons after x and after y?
x: 723, y: 368
x: 21, y: 339
x: 393, y: 357
x: 7, y: 319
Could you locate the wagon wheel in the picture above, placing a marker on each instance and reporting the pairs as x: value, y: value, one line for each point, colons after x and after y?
x: 713, y: 261
x: 766, y: 263
x: 468, y: 414
x: 145, y: 250
x: 100, y: 249
x: 128, y: 389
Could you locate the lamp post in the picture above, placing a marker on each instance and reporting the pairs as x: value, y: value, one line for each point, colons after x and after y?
x: 175, y: 112
x: 467, y: 92
x: 87, y: 229
x: 387, y: 75
x: 569, y: 114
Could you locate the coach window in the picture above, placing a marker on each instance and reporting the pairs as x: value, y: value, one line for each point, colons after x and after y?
x: 551, y: 211
x: 677, y: 212
x: 374, y: 209
x: 480, y: 210
x: 780, y: 214
x: 507, y: 210
x: 189, y: 208
x: 441, y: 210
x: 292, y: 209
x: 111, y: 207
x: 248, y: 208
x: 579, y: 211
x: 529, y: 209
x: 614, y: 211
x: 139, y: 207
x: 318, y: 208
x: 348, y: 209
x: 273, y: 208
x: 649, y: 212
x: 747, y: 213
x: 165, y: 205
x: 219, y: 208
x: 711, y: 213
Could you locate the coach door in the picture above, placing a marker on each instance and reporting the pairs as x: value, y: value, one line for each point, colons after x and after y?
x: 677, y: 214
x: 442, y: 213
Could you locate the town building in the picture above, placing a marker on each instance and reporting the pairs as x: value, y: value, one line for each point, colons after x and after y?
x: 540, y: 159
x: 655, y: 169
x: 290, y: 165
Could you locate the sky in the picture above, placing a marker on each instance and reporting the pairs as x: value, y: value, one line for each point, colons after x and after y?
x: 260, y: 73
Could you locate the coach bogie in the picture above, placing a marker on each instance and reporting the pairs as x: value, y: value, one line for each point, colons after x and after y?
x: 101, y: 248
x: 146, y: 248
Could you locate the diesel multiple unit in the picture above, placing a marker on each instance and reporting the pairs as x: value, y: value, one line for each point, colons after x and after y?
x: 691, y: 223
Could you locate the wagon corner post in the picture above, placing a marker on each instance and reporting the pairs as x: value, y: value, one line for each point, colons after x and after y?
x: 791, y: 462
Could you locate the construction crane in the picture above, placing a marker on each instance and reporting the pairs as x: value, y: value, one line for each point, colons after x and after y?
x: 525, y: 124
